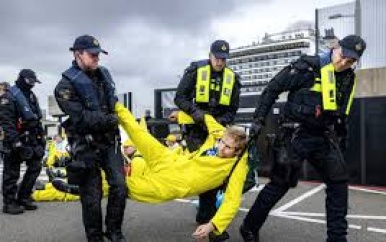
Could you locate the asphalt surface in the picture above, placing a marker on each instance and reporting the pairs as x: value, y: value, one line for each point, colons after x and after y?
x: 299, y: 217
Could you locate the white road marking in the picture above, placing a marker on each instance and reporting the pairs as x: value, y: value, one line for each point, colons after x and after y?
x: 377, y: 230
x: 367, y: 190
x: 353, y: 216
x: 299, y: 199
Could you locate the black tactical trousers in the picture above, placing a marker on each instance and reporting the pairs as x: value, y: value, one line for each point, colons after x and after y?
x: 111, y: 162
x: 11, y: 174
x: 328, y: 161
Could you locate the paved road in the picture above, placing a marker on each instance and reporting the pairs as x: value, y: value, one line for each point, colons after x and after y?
x: 298, y: 217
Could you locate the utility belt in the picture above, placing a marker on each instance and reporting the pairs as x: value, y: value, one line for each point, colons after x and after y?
x: 94, y: 141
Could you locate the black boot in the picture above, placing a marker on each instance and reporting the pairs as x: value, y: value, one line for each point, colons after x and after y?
x: 115, y: 236
x: 28, y: 204
x: 248, y: 235
x: 219, y: 238
x: 13, y: 208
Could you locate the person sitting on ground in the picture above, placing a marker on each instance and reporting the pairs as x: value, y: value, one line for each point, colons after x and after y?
x: 172, y: 143
x: 219, y: 160
x: 57, y: 152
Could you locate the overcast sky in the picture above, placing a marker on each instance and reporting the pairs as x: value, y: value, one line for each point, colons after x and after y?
x: 149, y: 42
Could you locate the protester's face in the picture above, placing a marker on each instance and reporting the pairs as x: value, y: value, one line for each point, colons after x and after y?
x: 227, y: 147
x: 170, y: 143
x: 58, y: 138
x: 340, y: 62
x: 129, y: 150
x: 217, y: 64
x: 88, y: 61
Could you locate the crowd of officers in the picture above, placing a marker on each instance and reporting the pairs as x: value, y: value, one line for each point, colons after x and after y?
x: 313, y: 128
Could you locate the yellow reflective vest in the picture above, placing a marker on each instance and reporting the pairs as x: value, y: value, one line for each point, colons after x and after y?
x: 326, y: 85
x: 203, y: 85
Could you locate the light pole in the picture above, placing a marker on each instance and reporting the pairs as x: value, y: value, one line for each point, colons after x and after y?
x: 316, y: 31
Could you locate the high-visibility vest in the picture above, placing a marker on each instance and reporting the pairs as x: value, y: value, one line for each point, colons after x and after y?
x: 203, y: 85
x: 327, y: 86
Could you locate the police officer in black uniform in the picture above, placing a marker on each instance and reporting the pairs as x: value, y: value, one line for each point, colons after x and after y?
x: 86, y: 93
x: 208, y: 86
x: 321, y: 90
x: 20, y: 120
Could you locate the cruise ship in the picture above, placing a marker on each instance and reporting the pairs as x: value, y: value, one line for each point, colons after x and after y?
x: 259, y: 62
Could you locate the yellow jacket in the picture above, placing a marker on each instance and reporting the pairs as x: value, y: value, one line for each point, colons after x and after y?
x: 174, y: 176
x: 54, y: 154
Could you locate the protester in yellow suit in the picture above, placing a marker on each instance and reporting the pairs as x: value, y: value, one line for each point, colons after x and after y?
x: 174, y: 176
x: 60, y: 190
x: 133, y: 158
x: 56, y: 150
x: 172, y: 143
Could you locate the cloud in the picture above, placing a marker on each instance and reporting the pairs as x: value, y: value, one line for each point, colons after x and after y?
x: 149, y: 42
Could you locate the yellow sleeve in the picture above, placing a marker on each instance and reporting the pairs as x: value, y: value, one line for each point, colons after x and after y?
x: 212, y: 125
x: 232, y: 197
x: 125, y: 117
x: 184, y: 118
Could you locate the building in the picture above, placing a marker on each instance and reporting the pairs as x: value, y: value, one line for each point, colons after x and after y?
x: 259, y: 62
x: 362, y: 17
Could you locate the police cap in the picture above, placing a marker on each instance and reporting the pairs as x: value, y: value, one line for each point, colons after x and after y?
x: 89, y: 44
x: 352, y: 46
x: 220, y: 49
x: 29, y: 74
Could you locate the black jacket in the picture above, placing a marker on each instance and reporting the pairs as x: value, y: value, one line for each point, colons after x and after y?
x: 83, y: 121
x: 297, y: 79
x: 11, y: 119
x: 186, y: 92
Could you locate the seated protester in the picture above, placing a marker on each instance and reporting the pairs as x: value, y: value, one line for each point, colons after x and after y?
x: 173, y: 176
x: 59, y: 190
x: 132, y: 156
x: 49, y: 192
x: 57, y: 152
x: 172, y: 143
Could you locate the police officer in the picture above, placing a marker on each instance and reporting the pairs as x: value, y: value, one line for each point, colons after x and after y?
x: 23, y: 139
x: 321, y: 90
x: 86, y: 93
x: 208, y: 86
x: 3, y: 89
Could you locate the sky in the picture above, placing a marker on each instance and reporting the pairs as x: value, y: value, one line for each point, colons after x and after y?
x: 150, y: 43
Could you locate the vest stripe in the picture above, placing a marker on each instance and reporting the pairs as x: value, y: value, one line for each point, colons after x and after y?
x: 203, y: 85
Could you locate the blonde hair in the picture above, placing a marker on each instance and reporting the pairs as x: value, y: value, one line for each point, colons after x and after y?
x: 239, y: 135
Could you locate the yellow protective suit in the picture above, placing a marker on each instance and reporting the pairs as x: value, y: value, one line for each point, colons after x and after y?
x: 51, y: 194
x: 54, y: 154
x: 172, y: 176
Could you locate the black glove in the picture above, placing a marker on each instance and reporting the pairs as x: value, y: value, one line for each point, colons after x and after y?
x: 256, y: 128
x: 198, y: 116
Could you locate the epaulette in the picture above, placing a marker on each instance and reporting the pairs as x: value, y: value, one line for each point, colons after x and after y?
x: 306, y: 62
x: 196, y: 64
